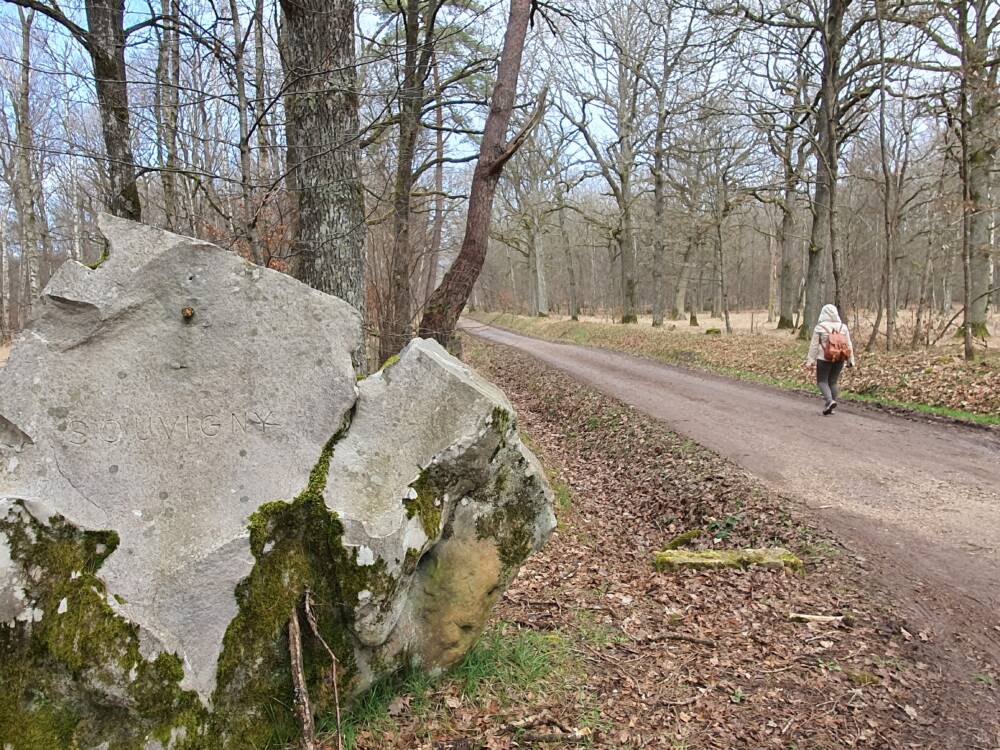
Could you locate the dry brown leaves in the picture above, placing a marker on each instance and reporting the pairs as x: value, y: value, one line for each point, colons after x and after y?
x: 767, y: 682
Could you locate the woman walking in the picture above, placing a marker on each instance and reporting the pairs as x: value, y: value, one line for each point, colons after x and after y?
x: 830, y: 350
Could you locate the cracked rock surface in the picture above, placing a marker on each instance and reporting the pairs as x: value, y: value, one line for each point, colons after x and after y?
x: 161, y: 400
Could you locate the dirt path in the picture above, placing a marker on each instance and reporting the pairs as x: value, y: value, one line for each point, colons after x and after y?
x: 920, y: 502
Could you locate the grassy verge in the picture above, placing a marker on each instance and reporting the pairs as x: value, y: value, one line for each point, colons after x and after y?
x: 931, y: 383
x: 505, y: 671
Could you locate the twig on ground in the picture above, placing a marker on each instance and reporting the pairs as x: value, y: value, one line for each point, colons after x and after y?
x: 302, y: 707
x: 311, y: 619
x: 682, y: 637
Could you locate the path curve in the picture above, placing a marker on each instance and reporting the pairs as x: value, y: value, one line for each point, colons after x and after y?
x: 918, y: 501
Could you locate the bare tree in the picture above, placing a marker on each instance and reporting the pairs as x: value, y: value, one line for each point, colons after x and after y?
x: 448, y: 300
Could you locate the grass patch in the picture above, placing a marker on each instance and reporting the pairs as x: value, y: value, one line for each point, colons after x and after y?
x: 935, y: 411
x: 507, y: 667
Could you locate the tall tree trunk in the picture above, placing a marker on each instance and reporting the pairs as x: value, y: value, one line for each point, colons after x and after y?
x: 248, y: 209
x: 106, y: 41
x: 925, y: 285
x: 683, y: 279
x: 266, y: 165
x: 321, y: 114
x: 397, y: 318
x: 790, y: 281
x: 660, y: 193
x: 772, y: 277
x: 723, y: 296
x: 26, y: 187
x: 167, y: 97
x: 450, y: 297
x: 574, y: 299
x: 437, y: 231
x: 5, y: 306
x: 822, y: 239
x: 541, y: 287
x: 627, y: 249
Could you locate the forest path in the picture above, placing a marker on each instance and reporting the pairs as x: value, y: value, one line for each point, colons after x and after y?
x: 918, y: 500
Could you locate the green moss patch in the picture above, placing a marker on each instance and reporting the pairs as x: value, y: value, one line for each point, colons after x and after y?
x: 75, y: 677
x: 770, y: 557
x: 298, y: 545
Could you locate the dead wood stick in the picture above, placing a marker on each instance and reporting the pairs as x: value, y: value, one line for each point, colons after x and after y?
x: 302, y: 707
x: 835, y: 619
x: 311, y: 619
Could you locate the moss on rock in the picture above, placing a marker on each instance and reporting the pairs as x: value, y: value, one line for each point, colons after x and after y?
x: 426, y: 504
x: 74, y: 675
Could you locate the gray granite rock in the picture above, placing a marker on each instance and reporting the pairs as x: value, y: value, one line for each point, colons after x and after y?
x: 185, y: 451
x: 121, y: 413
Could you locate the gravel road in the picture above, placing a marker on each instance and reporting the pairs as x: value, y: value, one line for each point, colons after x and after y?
x: 918, y: 501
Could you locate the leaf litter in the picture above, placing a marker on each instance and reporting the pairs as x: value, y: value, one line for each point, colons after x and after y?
x: 686, y: 659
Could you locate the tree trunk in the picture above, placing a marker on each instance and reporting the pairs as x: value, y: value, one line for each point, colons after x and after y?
x: 321, y: 113
x: 659, y: 197
x: 574, y: 301
x: 396, y: 320
x: 248, y: 212
x: 167, y: 95
x: 925, y: 283
x: 438, y: 230
x: 541, y: 288
x: 683, y: 279
x: 450, y: 297
x: 772, y: 278
x: 26, y: 187
x: 822, y: 239
x: 723, y: 297
x: 5, y: 320
x: 790, y: 281
x: 106, y: 40
x: 627, y: 259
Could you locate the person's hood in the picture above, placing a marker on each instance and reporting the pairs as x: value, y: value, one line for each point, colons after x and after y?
x: 829, y: 314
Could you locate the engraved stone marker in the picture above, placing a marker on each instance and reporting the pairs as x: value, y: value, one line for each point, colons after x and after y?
x: 187, y: 458
x: 122, y: 414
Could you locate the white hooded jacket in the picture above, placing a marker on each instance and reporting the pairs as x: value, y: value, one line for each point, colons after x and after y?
x: 829, y: 321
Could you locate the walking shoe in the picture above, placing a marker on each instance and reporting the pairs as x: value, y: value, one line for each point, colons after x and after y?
x: 829, y: 408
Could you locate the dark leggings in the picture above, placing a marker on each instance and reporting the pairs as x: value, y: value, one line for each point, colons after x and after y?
x: 827, y: 376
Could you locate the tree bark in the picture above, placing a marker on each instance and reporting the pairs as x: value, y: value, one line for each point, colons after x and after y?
x: 321, y: 112
x: 394, y: 330
x: 248, y: 212
x: 683, y: 279
x: 26, y: 186
x: 106, y: 43
x: 445, y: 305
x: 574, y: 300
x: 822, y: 239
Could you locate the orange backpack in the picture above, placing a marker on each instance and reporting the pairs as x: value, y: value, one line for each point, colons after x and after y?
x: 836, y: 347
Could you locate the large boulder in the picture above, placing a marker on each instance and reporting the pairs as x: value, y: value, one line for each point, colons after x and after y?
x: 187, y: 456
